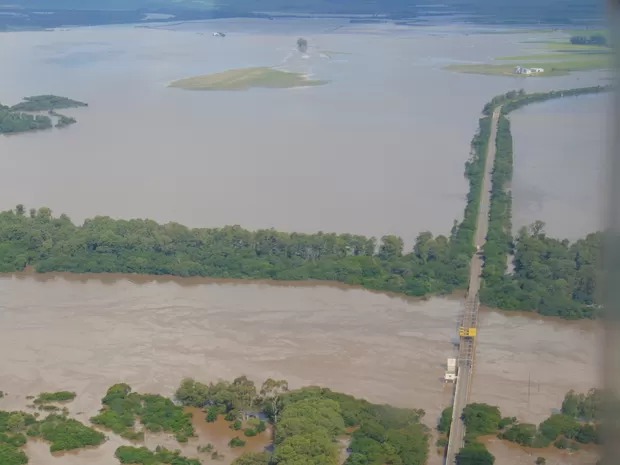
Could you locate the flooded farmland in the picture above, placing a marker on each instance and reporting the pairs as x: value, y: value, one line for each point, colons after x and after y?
x: 87, y: 333
x: 350, y: 156
x: 560, y: 152
x: 367, y: 153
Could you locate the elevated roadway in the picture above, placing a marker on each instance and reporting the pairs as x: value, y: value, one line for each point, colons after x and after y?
x: 469, y: 320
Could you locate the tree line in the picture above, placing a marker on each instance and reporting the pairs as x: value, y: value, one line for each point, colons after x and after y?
x: 516, y: 99
x: 434, y: 264
x: 593, y: 39
x: 551, y: 276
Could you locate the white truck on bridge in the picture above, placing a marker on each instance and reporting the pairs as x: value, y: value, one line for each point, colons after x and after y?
x: 450, y: 375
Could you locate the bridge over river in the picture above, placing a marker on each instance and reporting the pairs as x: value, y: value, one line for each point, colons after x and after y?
x: 469, y: 323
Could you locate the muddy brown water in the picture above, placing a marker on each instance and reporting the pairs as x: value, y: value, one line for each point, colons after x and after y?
x: 513, y: 454
x: 350, y: 156
x: 86, y: 333
x: 560, y: 154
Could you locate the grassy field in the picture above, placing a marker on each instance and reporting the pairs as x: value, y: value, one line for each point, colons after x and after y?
x: 246, y: 78
x: 558, y: 57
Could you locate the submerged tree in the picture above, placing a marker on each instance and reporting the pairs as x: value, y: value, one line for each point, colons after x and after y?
x: 271, y: 392
x: 302, y: 45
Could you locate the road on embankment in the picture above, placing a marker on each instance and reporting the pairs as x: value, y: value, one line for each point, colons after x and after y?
x: 465, y: 373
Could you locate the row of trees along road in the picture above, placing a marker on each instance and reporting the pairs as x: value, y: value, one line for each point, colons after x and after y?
x: 551, y: 276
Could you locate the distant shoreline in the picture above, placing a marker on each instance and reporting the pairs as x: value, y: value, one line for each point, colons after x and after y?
x: 22, y: 17
x: 190, y: 281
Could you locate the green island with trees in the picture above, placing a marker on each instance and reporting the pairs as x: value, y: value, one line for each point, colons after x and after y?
x: 310, y: 425
x: 121, y: 408
x: 551, y: 276
x: 52, y: 397
x: 63, y: 433
x: 577, y: 424
x: 18, y: 118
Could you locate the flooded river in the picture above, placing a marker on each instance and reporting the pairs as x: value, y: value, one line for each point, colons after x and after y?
x: 351, y: 156
x: 389, y: 134
x: 84, y: 334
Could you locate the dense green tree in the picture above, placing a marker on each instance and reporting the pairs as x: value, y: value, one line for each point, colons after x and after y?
x: 445, y: 421
x: 521, y: 433
x: 309, y: 416
x: 60, y: 396
x: 271, y: 392
x: 122, y: 407
x: 66, y: 433
x: 10, y: 455
x: 253, y: 458
x: 557, y: 425
x: 315, y: 448
x: 587, y: 407
x: 144, y: 456
x: 193, y: 393
x: 481, y: 419
x: 46, y: 102
x: 474, y: 454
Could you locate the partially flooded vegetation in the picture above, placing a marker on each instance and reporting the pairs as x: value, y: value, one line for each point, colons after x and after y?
x: 366, y: 347
x: 53, y: 397
x: 25, y: 116
x: 61, y: 432
x: 247, y: 78
x: 313, y: 416
x: 577, y: 424
x: 121, y: 408
x: 557, y: 58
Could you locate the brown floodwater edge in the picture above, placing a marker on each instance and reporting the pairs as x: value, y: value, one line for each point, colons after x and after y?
x: 190, y: 281
x: 510, y: 453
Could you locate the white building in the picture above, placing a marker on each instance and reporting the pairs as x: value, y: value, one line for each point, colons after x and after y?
x: 522, y: 70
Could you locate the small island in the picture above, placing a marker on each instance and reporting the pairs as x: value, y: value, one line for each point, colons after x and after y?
x: 20, y: 118
x: 247, y: 78
x: 47, y: 103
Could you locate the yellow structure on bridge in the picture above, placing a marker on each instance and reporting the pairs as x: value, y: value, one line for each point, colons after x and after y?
x: 468, y: 332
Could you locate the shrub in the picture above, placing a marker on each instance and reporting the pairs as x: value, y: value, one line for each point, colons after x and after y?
x: 212, y: 414
x: 236, y: 442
